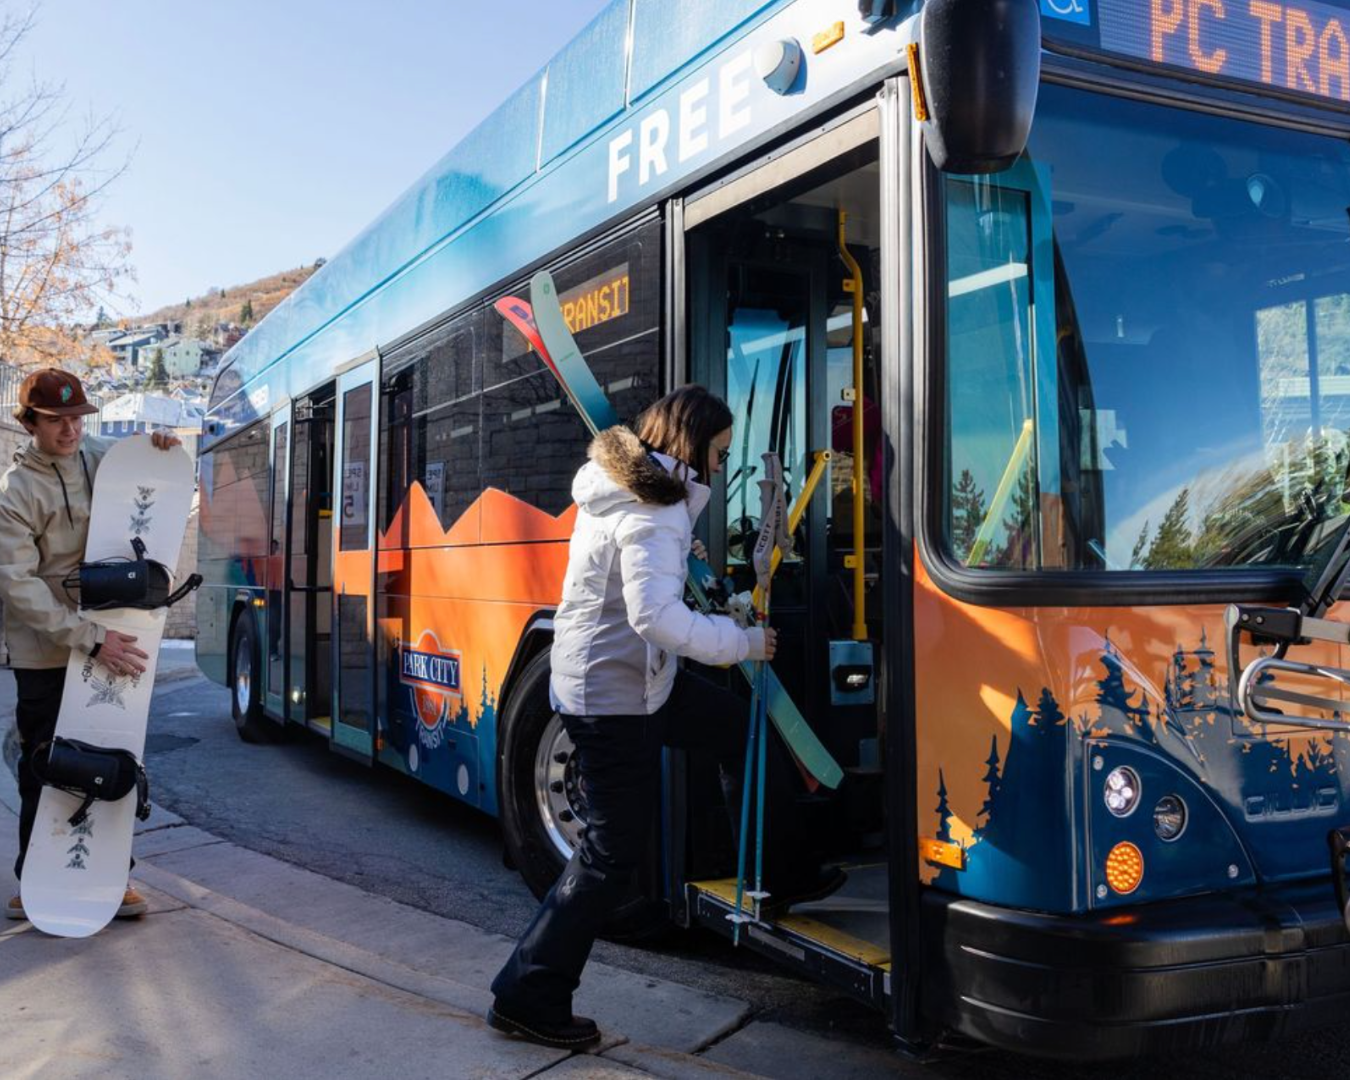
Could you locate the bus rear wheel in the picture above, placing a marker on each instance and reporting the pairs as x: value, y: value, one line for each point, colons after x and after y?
x: 544, y: 806
x: 245, y: 689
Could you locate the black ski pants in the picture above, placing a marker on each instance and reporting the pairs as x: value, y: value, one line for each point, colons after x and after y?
x: 619, y: 758
x: 38, y: 707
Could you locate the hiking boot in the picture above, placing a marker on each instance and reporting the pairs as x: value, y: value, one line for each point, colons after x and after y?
x: 133, y: 905
x: 576, y: 1034
x: 14, y: 909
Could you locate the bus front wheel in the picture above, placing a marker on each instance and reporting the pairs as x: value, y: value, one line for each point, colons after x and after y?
x: 245, y: 688
x: 544, y: 805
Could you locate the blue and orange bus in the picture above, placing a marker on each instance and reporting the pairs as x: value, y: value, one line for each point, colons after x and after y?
x: 1057, y: 296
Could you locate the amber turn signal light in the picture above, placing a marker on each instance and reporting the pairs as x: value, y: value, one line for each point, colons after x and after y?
x: 1124, y: 868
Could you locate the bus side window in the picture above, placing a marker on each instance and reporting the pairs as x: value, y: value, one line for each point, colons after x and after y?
x: 432, y: 423
x: 395, y: 452
x: 533, y: 441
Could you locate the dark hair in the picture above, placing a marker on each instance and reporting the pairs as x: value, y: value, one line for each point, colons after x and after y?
x: 683, y: 424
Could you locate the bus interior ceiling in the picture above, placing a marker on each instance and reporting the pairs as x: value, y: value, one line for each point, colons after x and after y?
x: 772, y: 322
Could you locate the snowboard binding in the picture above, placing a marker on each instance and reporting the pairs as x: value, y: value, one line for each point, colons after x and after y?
x: 92, y: 772
x: 138, y: 582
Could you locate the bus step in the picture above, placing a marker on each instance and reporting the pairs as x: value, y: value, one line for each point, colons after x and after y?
x: 804, y: 943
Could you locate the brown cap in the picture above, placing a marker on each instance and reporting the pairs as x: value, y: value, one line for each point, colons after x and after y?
x: 54, y: 392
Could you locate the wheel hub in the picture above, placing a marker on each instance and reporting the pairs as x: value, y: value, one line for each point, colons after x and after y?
x: 559, y: 794
x: 243, y: 677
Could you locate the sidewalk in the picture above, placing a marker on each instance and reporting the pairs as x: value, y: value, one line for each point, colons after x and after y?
x: 248, y: 966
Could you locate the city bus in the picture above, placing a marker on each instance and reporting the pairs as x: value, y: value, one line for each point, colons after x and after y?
x: 1045, y: 309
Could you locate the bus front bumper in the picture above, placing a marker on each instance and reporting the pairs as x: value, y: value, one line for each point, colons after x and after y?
x: 1178, y: 976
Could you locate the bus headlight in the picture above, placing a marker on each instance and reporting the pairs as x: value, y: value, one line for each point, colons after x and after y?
x: 1169, y: 817
x: 1122, y: 791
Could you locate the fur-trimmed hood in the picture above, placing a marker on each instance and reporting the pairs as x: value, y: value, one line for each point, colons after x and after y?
x: 622, y: 620
x: 622, y: 471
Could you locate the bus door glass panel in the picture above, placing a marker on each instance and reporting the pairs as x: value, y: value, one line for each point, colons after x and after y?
x: 774, y: 338
x: 393, y: 538
x: 766, y: 376
x: 1002, y: 475
x: 276, y: 566
x: 783, y: 359
x: 764, y: 356
x: 353, y: 715
x: 310, y: 580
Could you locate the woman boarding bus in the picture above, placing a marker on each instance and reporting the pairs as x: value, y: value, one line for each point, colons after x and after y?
x: 1044, y: 308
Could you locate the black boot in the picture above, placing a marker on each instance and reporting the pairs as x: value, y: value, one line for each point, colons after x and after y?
x: 829, y: 879
x: 576, y: 1034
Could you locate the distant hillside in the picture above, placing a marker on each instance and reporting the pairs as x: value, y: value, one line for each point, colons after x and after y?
x: 239, y: 305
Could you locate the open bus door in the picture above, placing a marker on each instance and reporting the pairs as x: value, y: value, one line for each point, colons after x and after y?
x: 309, y: 562
x: 772, y: 327
x: 353, y: 665
x: 274, y: 651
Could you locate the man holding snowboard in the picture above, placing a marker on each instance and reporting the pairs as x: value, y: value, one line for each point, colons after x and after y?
x: 45, y: 498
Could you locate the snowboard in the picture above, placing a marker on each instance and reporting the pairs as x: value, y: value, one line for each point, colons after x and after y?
x: 74, y: 877
x: 544, y: 327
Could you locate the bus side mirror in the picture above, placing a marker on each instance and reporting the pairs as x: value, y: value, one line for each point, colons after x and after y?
x: 980, y: 70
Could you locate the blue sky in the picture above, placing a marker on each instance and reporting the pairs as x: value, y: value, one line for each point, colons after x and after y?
x: 268, y: 134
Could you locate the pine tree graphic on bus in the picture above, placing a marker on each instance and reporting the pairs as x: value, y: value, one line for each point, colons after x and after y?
x: 1023, y: 822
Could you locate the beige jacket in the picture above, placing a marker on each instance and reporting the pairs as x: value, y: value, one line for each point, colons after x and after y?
x: 44, y: 522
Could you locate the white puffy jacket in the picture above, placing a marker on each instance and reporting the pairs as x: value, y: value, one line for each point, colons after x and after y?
x: 623, y: 620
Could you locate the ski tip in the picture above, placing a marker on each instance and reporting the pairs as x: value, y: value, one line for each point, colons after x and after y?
x: 543, y: 281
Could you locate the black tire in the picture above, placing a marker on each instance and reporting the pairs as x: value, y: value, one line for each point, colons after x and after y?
x: 539, y: 835
x: 245, y: 694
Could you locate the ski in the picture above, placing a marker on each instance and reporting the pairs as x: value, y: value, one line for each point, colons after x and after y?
x: 543, y: 326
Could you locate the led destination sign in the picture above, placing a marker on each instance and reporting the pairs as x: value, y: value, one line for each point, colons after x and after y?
x: 1303, y: 47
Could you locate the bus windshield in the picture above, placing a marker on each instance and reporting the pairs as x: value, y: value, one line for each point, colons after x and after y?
x: 1148, y: 343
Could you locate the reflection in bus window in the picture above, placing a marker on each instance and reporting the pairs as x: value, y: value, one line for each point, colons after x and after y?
x: 766, y: 379
x: 1202, y: 344
x: 989, y: 378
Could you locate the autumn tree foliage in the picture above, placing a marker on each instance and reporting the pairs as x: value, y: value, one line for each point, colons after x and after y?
x: 58, y: 263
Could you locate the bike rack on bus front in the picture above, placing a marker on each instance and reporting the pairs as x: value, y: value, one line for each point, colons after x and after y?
x: 1252, y: 689
x: 1254, y: 694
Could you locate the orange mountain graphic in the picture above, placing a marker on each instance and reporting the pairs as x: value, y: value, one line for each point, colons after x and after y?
x: 494, y: 518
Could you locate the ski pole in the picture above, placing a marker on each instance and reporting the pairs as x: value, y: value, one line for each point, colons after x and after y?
x: 738, y: 916
x: 761, y: 701
x: 772, y: 533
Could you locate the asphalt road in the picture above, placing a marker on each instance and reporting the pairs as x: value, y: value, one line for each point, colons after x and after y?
x: 388, y: 835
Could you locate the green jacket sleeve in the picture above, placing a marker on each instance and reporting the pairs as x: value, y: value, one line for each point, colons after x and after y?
x: 28, y: 597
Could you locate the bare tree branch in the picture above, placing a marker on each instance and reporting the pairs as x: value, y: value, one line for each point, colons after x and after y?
x: 57, y: 261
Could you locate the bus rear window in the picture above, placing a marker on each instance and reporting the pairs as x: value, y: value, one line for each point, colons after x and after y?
x: 1148, y: 344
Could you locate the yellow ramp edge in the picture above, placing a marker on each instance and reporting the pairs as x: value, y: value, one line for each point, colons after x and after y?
x: 837, y: 941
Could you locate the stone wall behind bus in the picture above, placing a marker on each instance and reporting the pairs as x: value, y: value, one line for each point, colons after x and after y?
x: 182, y: 620
x: 12, y: 439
